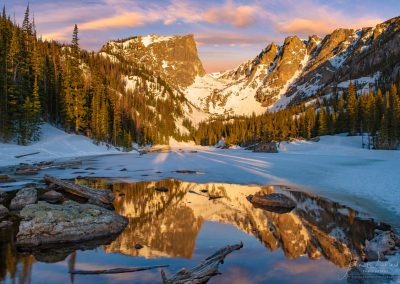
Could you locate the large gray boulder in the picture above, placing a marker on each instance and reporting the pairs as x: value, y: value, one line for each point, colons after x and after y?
x: 23, y: 198
x: 44, y: 223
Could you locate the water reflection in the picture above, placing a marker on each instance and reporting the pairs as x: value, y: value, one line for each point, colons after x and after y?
x: 167, y: 223
x: 182, y: 226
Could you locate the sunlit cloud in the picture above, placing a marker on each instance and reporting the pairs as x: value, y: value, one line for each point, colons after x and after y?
x: 219, y: 26
x: 239, y: 16
x: 307, y: 18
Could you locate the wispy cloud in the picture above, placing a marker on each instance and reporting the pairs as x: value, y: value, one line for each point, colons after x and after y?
x: 230, y: 13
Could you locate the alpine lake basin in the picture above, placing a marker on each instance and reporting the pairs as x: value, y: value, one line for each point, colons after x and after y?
x: 314, y: 243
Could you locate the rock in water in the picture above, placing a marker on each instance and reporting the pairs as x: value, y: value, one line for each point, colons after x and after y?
x: 53, y: 196
x: 276, y: 202
x: 23, y: 198
x: 71, y: 222
x: 3, y: 211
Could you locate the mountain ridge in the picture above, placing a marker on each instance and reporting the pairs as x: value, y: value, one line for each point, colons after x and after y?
x: 280, y: 75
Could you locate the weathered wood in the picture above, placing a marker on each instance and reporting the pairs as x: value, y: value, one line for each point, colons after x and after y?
x: 25, y: 155
x: 116, y: 270
x: 204, y: 271
x: 101, y: 197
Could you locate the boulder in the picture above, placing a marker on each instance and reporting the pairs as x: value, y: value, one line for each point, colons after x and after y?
x: 6, y: 178
x: 3, y: 211
x: 269, y: 147
x: 71, y: 222
x: 23, y: 198
x: 276, y: 202
x: 53, y: 196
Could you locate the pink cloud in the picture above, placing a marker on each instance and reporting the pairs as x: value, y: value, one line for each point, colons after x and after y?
x: 309, y: 18
x: 229, y: 13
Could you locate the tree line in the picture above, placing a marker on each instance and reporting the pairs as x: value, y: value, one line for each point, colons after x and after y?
x: 375, y: 113
x: 79, y: 91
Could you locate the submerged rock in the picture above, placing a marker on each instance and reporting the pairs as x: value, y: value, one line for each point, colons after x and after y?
x: 276, y: 202
x: 71, y: 222
x: 23, y: 198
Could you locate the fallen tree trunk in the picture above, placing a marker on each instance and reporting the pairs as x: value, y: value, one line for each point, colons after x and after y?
x: 204, y: 271
x: 116, y: 270
x: 101, y: 197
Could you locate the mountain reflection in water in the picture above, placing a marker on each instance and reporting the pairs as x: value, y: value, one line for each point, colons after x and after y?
x: 315, y: 242
x: 167, y: 223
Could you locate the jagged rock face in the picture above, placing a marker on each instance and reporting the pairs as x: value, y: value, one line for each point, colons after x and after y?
x: 299, y: 70
x: 288, y: 64
x: 175, y: 58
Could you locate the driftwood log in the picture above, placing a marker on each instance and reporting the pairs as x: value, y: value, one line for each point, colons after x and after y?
x: 204, y: 271
x: 116, y: 270
x: 101, y: 197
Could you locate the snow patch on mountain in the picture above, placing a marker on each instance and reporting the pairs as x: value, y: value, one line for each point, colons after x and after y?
x: 150, y: 39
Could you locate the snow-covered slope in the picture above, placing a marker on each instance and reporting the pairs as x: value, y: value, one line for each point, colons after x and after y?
x: 54, y: 143
x: 299, y: 69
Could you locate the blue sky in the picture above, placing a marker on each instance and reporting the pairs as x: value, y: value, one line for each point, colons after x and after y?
x: 228, y: 32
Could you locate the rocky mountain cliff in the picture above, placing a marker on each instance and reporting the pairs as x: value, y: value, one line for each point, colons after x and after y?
x: 279, y: 76
x: 175, y: 58
x: 300, y: 69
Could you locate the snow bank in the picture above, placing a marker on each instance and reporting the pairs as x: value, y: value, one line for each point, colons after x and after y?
x: 54, y: 143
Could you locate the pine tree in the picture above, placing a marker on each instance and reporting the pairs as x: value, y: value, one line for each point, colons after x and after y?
x: 322, y: 122
x: 352, y: 109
